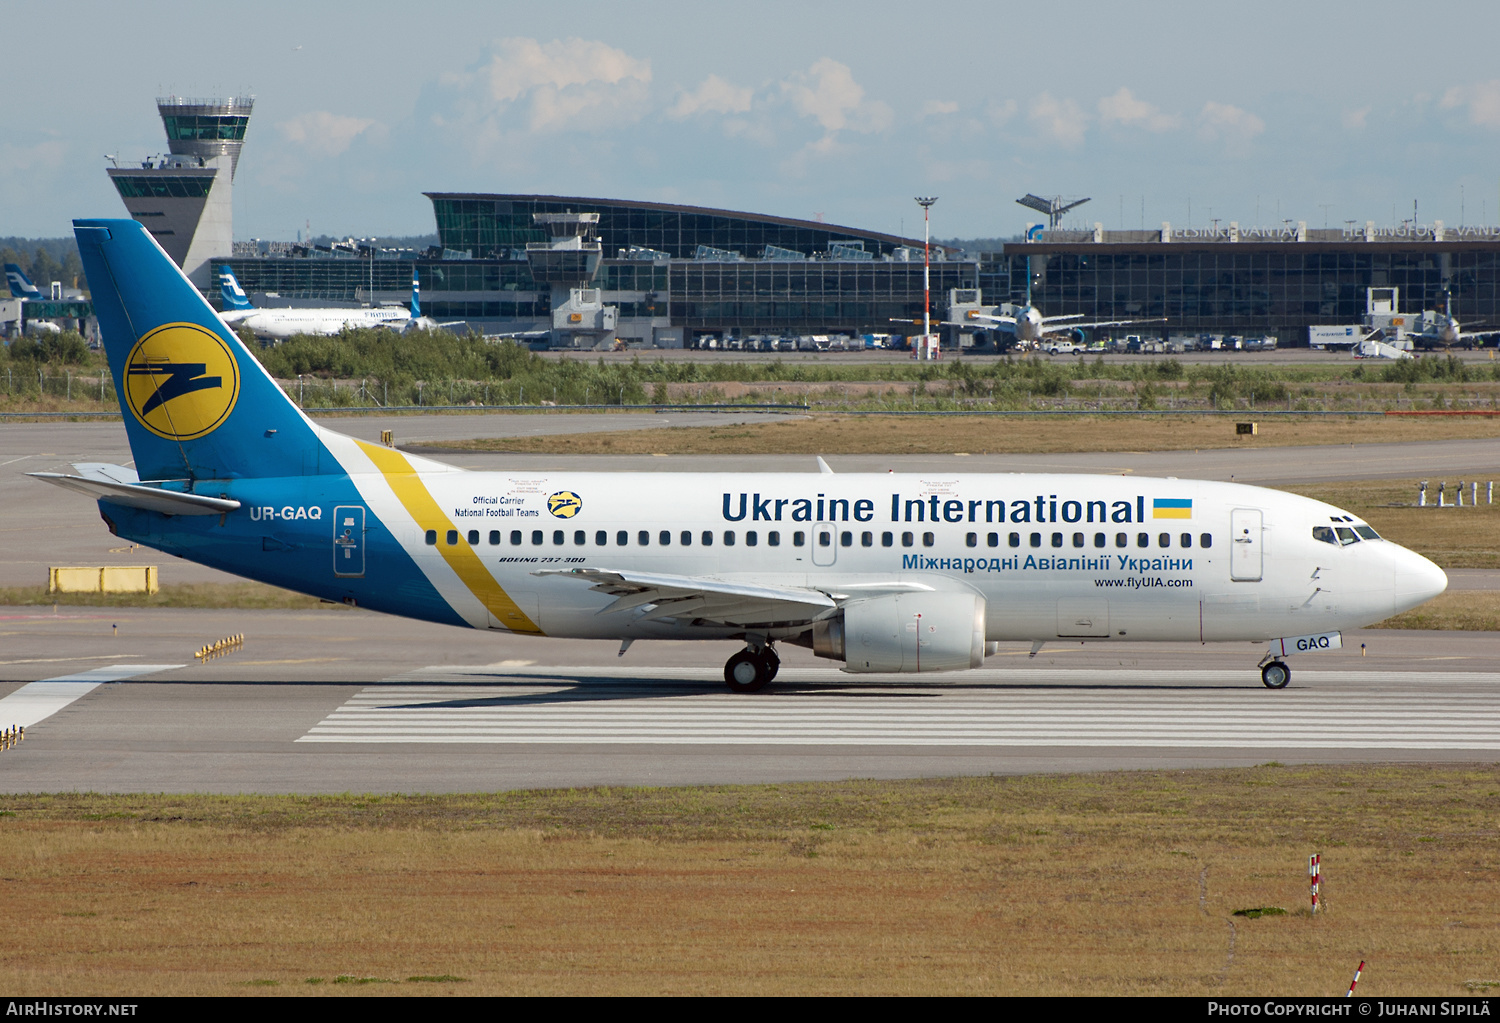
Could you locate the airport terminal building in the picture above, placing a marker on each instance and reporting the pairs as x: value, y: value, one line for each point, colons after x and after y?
x: 677, y: 273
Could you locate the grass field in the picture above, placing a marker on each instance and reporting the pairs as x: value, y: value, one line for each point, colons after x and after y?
x: 898, y: 435
x: 213, y: 595
x: 1123, y: 883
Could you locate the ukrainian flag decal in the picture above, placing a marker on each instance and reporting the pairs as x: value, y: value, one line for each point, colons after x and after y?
x: 1171, y: 507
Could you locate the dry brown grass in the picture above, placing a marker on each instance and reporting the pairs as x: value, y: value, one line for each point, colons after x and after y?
x: 894, y: 435
x: 1467, y: 537
x: 1104, y: 884
x: 1468, y: 610
x: 246, y: 594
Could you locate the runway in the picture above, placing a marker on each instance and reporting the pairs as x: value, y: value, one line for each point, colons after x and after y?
x: 349, y: 701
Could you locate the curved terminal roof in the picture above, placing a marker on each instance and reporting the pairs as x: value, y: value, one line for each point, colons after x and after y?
x: 490, y: 224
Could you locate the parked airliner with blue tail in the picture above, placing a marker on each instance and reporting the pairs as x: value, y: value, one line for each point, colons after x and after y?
x: 917, y: 572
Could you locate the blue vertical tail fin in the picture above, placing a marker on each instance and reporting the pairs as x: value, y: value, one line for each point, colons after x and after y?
x: 230, y: 292
x: 416, y: 295
x: 196, y: 404
x: 20, y: 285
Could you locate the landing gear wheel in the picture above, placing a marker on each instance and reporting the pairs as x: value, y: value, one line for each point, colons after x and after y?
x: 747, y: 673
x: 1276, y: 675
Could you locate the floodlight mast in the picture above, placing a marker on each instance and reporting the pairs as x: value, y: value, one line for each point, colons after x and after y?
x: 926, y: 203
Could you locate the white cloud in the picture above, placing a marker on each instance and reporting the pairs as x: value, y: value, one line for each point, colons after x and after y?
x: 41, y: 155
x: 564, y: 84
x: 1354, y: 120
x: 1229, y: 124
x: 1000, y: 113
x: 1062, y: 119
x: 1482, y: 100
x: 714, y: 96
x: 1124, y: 108
x: 324, y: 134
x: 829, y: 94
x: 938, y: 107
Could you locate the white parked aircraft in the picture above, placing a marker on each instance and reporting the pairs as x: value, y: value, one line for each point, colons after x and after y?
x: 1435, y: 329
x: 920, y: 572
x: 283, y: 323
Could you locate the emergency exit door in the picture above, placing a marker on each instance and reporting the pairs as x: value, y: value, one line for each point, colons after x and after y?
x: 1245, y: 545
x: 349, y: 540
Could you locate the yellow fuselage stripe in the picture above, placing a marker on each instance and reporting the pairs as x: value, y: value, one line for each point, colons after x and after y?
x: 461, y: 557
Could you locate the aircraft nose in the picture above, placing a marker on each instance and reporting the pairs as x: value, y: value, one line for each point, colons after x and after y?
x: 1417, y: 580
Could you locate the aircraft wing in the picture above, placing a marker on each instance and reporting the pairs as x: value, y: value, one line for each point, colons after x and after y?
x: 1099, y: 323
x: 98, y: 485
x: 712, y: 600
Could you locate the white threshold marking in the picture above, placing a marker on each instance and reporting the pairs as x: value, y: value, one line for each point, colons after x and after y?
x: 598, y: 706
x: 37, y: 701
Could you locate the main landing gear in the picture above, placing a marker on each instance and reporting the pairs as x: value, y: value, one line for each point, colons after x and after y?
x: 751, y: 670
x: 1275, y: 675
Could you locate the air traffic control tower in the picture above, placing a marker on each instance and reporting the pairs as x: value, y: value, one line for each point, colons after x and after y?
x: 185, y: 198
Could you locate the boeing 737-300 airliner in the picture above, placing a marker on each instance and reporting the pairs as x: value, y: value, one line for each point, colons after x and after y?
x: 918, y: 572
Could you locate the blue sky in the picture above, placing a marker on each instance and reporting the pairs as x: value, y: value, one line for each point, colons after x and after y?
x: 1181, y: 112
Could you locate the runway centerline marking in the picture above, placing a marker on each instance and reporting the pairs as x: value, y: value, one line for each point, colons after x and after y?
x: 813, y: 706
x: 37, y: 701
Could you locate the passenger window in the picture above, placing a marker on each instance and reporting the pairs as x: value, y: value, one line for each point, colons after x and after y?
x: 515, y: 538
x: 1187, y: 539
x: 971, y: 540
x: 1077, y: 539
x: 643, y: 538
x: 473, y: 538
x: 1164, y: 540
x: 601, y: 538
x: 846, y: 539
x: 1367, y: 532
x: 825, y: 538
x: 1057, y: 539
x: 431, y: 538
x: 1015, y: 539
x: 887, y: 539
x: 728, y: 538
x: 751, y: 538
x: 687, y: 538
x: 907, y: 539
x: 664, y: 538
x: 622, y: 538
x: 993, y: 539
x: 773, y: 539
x: 1143, y: 539
x: 1036, y: 539
x: 799, y: 538
x: 536, y: 538
x: 867, y: 539
x: 928, y: 539
x: 1099, y: 540
x: 708, y: 538
x: 1325, y: 534
x: 494, y: 538
x: 579, y: 537
x: 1346, y: 535
x: 452, y: 537
x: 1121, y: 540
x: 1205, y: 540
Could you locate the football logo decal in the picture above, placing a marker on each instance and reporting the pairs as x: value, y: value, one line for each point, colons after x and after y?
x: 564, y: 504
x: 181, y: 381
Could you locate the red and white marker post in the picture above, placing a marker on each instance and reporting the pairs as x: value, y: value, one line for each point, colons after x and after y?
x: 1355, y: 981
x: 1315, y: 877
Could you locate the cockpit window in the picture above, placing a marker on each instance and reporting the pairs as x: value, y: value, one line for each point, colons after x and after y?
x: 1346, y: 535
x: 1367, y: 532
x: 1325, y: 533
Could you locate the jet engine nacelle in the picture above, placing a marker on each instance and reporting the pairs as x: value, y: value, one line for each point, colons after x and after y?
x: 906, y: 632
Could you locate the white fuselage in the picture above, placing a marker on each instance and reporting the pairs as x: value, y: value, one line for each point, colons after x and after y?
x: 1075, y: 557
x: 283, y: 323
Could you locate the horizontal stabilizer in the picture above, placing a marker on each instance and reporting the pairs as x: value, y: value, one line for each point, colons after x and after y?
x: 135, y: 495
x: 714, y: 600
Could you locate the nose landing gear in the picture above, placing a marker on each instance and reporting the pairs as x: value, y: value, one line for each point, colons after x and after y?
x: 751, y: 670
x: 1275, y: 675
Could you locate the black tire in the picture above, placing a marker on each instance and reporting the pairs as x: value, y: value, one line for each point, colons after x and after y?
x: 772, y: 662
x: 1276, y: 675
x: 746, y: 673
